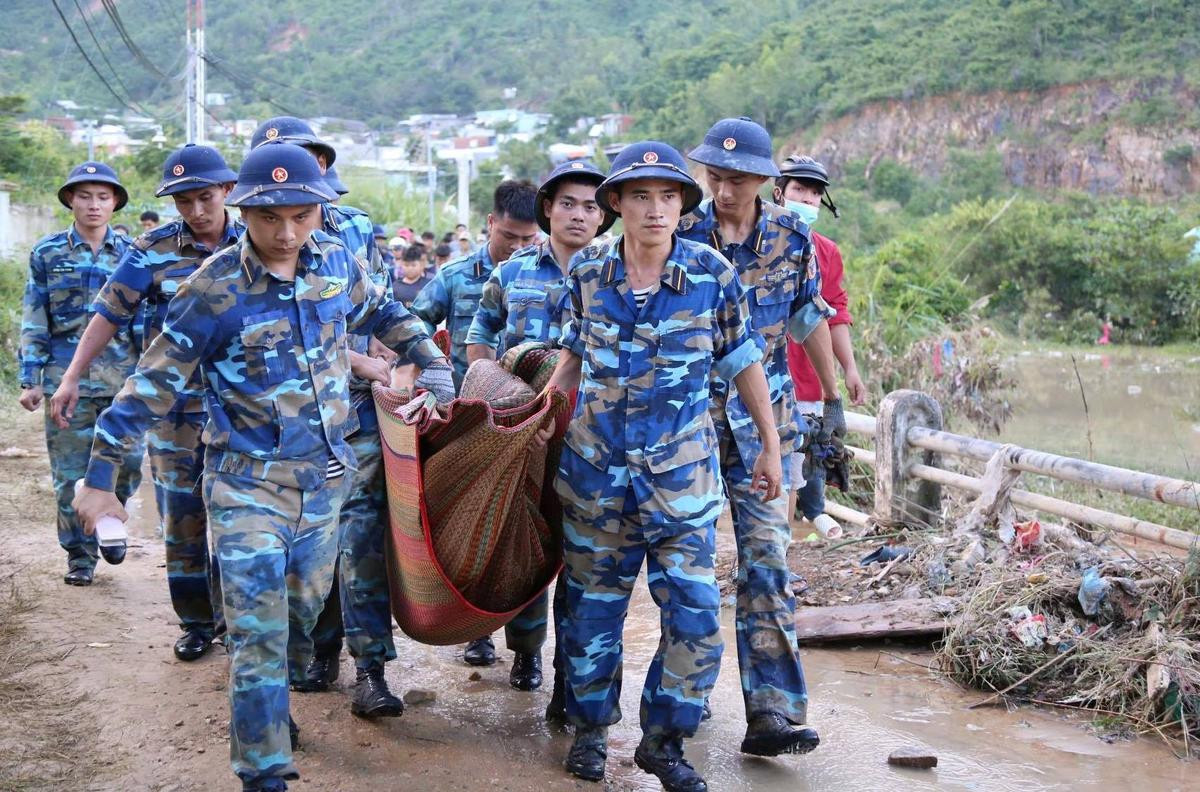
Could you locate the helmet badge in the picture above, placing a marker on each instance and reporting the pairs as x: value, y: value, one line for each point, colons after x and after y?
x: 729, y: 144
x: 177, y: 170
x: 280, y: 175
x: 650, y: 157
x: 90, y: 169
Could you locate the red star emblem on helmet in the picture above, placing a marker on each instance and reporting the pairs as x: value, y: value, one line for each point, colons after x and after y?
x: 280, y: 175
x: 177, y: 170
x: 272, y: 133
x: 730, y: 144
x: 650, y: 157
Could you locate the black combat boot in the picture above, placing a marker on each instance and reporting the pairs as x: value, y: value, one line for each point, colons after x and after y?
x: 320, y: 673
x: 372, y: 699
x: 294, y: 733
x: 192, y: 645
x: 770, y: 734
x: 480, y: 652
x: 588, y: 753
x: 526, y: 673
x: 662, y: 756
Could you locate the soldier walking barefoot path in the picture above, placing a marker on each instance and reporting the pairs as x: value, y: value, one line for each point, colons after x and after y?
x: 147, y: 722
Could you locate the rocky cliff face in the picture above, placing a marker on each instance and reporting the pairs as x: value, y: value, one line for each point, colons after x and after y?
x: 1125, y: 139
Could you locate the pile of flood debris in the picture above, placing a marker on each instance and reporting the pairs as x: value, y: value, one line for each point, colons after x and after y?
x: 1025, y: 610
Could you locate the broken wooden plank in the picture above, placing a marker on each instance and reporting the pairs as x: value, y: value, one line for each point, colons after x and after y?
x: 873, y: 620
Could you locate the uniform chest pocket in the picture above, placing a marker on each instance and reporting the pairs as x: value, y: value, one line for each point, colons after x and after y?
x: 66, y: 289
x: 527, y: 307
x: 464, y: 312
x: 780, y: 292
x: 684, y: 359
x: 173, y: 279
x: 332, y: 314
x: 269, y: 348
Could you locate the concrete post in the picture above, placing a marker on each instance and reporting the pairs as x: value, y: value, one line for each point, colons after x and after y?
x: 8, y: 243
x: 900, y: 500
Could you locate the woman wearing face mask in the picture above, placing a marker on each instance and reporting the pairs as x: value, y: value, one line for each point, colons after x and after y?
x: 802, y: 186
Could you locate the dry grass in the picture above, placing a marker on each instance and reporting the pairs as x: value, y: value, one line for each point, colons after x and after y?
x: 40, y: 718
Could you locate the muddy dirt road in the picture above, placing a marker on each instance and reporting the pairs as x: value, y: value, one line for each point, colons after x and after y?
x: 103, y: 704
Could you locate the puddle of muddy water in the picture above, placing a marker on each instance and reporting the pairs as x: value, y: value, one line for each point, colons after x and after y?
x: 1143, y: 408
x: 865, y: 705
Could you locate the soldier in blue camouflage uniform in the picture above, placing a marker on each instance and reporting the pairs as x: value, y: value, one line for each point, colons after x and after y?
x: 771, y: 250
x: 524, y: 299
x: 266, y: 323
x: 66, y: 270
x: 453, y: 297
x: 358, y: 607
x: 146, y: 278
x: 454, y: 294
x: 652, y: 317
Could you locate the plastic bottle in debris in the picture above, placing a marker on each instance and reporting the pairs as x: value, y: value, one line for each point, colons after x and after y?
x: 110, y: 535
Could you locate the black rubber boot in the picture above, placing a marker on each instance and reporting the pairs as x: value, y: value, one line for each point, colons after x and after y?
x: 706, y: 713
x: 663, y: 757
x: 770, y: 734
x: 321, y: 672
x: 480, y: 652
x: 588, y: 753
x: 526, y: 673
x: 372, y: 699
x: 294, y: 733
x: 192, y: 645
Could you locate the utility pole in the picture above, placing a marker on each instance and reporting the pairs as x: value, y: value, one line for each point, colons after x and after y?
x: 431, y: 176
x: 196, y: 81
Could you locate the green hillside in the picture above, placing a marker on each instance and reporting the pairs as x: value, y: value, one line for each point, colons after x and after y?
x: 673, y: 65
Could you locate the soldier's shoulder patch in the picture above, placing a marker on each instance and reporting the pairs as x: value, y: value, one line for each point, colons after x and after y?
x: 57, y: 239
x: 686, y: 222
x: 164, y: 231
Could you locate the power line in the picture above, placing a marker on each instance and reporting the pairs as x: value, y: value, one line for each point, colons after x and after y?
x: 100, y: 49
x: 244, y: 83
x: 96, y: 71
x: 110, y: 8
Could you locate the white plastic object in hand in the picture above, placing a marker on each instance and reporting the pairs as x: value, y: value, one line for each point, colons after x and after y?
x: 110, y: 531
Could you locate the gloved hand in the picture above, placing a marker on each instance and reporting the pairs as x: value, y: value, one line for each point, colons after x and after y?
x: 437, y: 379
x: 833, y: 422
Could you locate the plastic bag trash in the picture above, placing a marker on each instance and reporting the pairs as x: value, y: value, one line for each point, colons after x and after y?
x: 1031, y: 631
x: 1027, y: 534
x: 1092, y: 591
x: 885, y: 553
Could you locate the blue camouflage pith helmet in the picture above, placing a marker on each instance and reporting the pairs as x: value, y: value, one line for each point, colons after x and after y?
x: 737, y: 144
x: 377, y: 231
x: 191, y: 167
x: 281, y: 174
x: 289, y: 129
x: 575, y: 170
x: 331, y: 178
x: 92, y: 171
x: 804, y: 168
x: 651, y: 159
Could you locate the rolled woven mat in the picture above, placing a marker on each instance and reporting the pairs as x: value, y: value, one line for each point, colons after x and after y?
x: 484, y: 536
x: 487, y: 380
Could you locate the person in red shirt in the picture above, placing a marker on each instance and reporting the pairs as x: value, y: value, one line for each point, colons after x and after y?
x: 802, y: 186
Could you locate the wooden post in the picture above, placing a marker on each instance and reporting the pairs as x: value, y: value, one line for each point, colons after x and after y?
x: 898, y: 498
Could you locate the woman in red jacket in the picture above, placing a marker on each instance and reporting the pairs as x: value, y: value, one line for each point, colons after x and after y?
x: 803, y: 187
